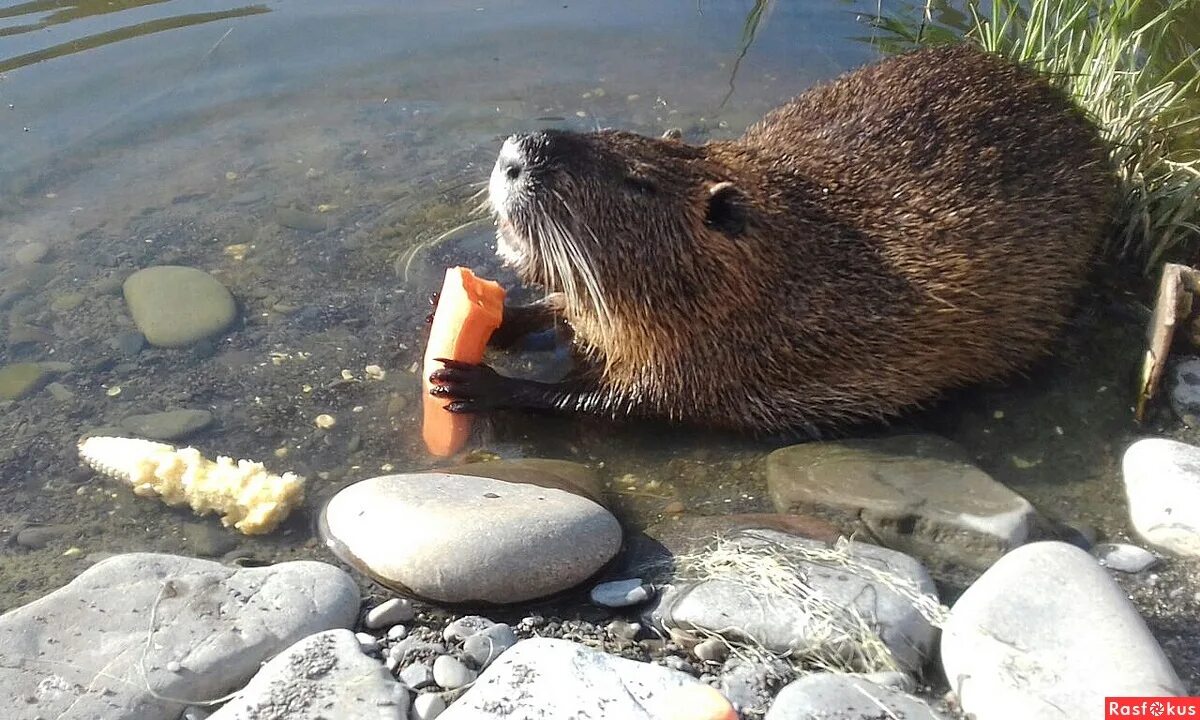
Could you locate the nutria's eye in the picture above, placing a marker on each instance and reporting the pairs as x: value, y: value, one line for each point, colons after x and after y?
x: 726, y: 211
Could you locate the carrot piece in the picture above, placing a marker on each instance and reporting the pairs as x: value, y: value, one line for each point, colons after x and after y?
x: 469, y: 310
x: 699, y: 702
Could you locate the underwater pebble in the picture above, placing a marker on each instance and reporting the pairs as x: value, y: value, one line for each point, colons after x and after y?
x: 428, y: 706
x: 19, y: 379
x: 620, y: 593
x: 32, y: 253
x: 176, y: 306
x: 168, y: 425
x: 325, y: 421
x: 209, y: 539
x: 248, y: 197
x: 918, y: 494
x: 1162, y: 483
x: 389, y: 612
x: 497, y: 542
x: 128, y: 344
x: 486, y: 645
x: 39, y: 536
x: 1046, y: 633
x: 450, y: 673
x: 60, y: 392
x: 1124, y: 557
x: 323, y: 676
x: 300, y: 220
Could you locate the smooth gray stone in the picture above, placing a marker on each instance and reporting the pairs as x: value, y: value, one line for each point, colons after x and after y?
x: 450, y: 673
x: 1124, y: 557
x: 919, y: 494
x: 167, y: 425
x: 1162, y: 483
x: 547, y: 678
x: 322, y: 676
x: 495, y: 541
x: 488, y: 644
x: 79, y: 652
x: 844, y: 697
x: 1047, y: 634
x: 620, y: 593
x: 177, y: 306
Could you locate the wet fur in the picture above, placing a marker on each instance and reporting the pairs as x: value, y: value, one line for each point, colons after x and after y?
x: 911, y: 227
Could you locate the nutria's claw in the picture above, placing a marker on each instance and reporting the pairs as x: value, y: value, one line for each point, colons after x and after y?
x: 433, y: 302
x: 472, y: 388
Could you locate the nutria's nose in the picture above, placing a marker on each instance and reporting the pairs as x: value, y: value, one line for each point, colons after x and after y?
x: 512, y: 158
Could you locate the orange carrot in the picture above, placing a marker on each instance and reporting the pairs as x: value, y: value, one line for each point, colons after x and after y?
x: 468, y: 311
x: 699, y: 702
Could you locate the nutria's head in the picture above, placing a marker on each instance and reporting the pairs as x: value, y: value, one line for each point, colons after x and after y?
x: 614, y: 220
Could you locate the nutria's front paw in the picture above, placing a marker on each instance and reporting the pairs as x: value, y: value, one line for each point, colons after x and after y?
x: 470, y: 388
x: 433, y: 302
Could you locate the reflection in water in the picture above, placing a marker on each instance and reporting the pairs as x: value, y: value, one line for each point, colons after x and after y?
x: 755, y: 19
x: 59, y: 14
x: 112, y: 36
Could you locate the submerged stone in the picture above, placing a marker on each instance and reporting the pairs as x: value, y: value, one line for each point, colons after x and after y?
x: 175, y: 306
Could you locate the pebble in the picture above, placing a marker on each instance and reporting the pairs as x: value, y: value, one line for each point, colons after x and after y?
x: 621, y: 593
x: 623, y: 629
x: 548, y: 678
x: 828, y: 695
x: 450, y: 673
x: 39, y: 536
x: 129, y: 343
x: 1162, y: 483
x: 195, y: 713
x: 397, y: 632
x: 100, y: 620
x: 427, y: 706
x: 1124, y: 557
x: 417, y: 676
x: 1046, y: 633
x: 497, y: 542
x: 367, y: 642
x: 746, y: 684
x: 323, y: 676
x: 388, y: 613
x: 248, y: 197
x: 31, y: 253
x: 168, y: 425
x: 209, y: 539
x: 465, y: 627
x: 848, y: 610
x: 1185, y: 390
x: 67, y: 302
x: 19, y: 379
x: 918, y: 494
x: 486, y: 645
x: 300, y: 220
x: 711, y: 650
x: 175, y: 306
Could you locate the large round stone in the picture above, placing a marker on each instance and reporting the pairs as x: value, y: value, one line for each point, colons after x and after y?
x: 457, y: 538
x: 176, y: 306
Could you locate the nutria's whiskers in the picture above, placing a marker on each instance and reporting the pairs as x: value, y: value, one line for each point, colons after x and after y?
x: 584, y: 263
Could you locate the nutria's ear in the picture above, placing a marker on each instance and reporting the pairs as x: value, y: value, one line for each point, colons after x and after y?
x: 726, y: 208
x: 673, y: 134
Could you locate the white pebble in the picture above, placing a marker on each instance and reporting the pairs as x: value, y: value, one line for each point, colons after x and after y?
x: 465, y: 627
x: 1124, y: 557
x: 620, y: 593
x: 173, y: 666
x: 367, y: 642
x: 390, y: 612
x: 417, y: 676
x: 397, y: 632
x: 711, y: 650
x: 427, y: 706
x: 325, y: 421
x: 450, y: 673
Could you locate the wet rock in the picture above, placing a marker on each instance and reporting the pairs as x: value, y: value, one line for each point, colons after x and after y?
x: 388, y: 613
x: 37, y: 537
x: 488, y: 644
x: 248, y: 197
x: 128, y: 344
x: 496, y: 541
x: 561, y: 679
x: 200, y: 629
x: 859, y: 598
x: 1045, y: 633
x: 917, y: 493
x: 621, y: 593
x: 60, y: 392
x: 1124, y: 557
x: 168, y: 425
x: 19, y: 379
x: 417, y: 676
x: 324, y: 675
x: 209, y: 539
x: 300, y: 220
x: 1162, y: 482
x: 450, y: 673
x: 31, y: 253
x: 67, y: 301
x: 828, y: 695
x: 176, y: 306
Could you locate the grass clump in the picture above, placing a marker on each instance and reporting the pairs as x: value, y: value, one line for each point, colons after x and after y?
x: 1134, y: 66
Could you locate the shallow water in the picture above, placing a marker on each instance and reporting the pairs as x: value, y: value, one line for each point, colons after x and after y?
x: 175, y: 132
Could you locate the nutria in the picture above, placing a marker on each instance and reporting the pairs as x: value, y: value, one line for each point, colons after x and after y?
x: 907, y: 228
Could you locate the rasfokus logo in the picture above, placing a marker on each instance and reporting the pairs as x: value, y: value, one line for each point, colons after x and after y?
x: 1151, y: 707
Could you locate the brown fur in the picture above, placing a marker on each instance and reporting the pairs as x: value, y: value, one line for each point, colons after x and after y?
x: 910, y: 227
